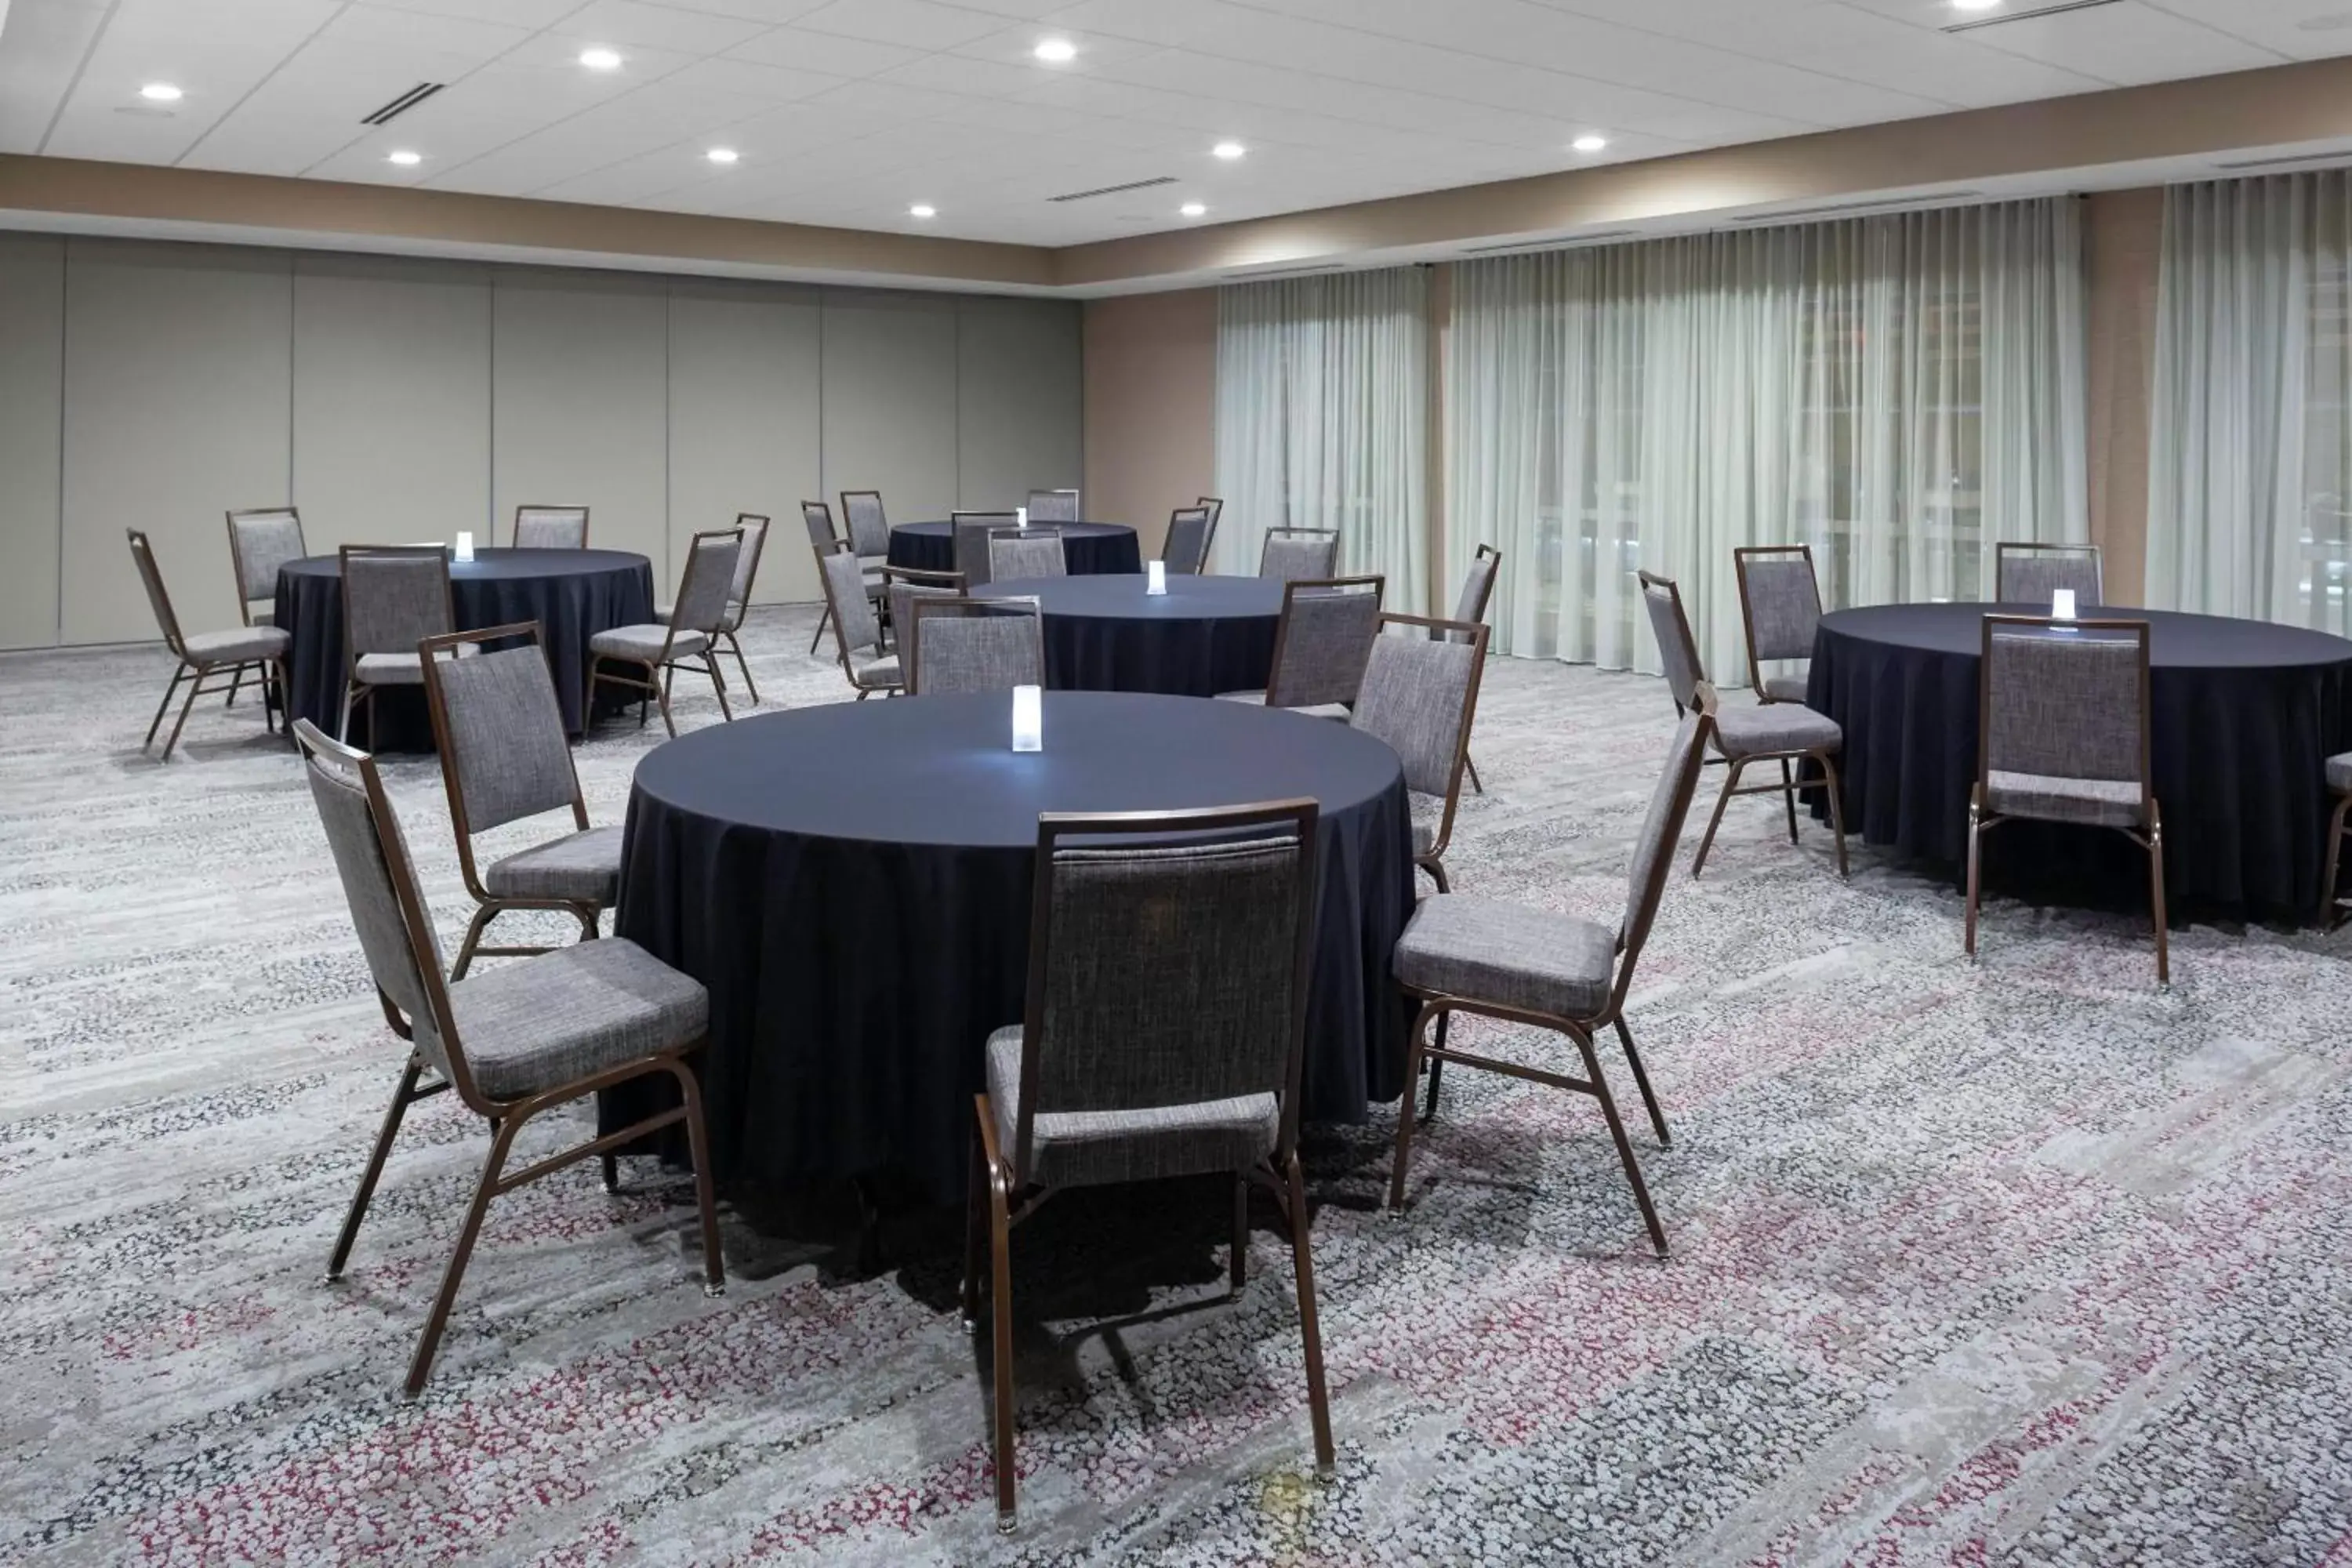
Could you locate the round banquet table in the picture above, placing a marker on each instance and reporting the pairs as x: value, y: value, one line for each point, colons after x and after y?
x: 1087, y: 548
x: 572, y: 593
x: 2243, y: 715
x: 1205, y: 636
x: 853, y: 883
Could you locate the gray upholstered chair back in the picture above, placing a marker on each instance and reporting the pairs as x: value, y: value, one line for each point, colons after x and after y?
x: 395, y: 597
x: 1780, y: 600
x: 1418, y: 694
x: 1053, y: 506
x: 704, y: 593
x: 1220, y: 1011
x: 1325, y: 640
x: 501, y: 733
x: 551, y: 528
x: 1014, y: 553
x: 158, y: 599
x: 1662, y: 829
x: 1294, y: 552
x: 975, y: 644
x: 263, y: 539
x: 1478, y: 585
x: 755, y: 529
x: 854, y: 623
x: 1678, y: 652
x: 972, y: 532
x: 2064, y: 702
x: 1216, y: 510
x: 905, y: 584
x: 1185, y: 551
x: 869, y: 529
x: 818, y: 518
x: 2030, y: 574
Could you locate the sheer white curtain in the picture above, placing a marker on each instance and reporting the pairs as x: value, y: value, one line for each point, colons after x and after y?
x: 1322, y: 410
x: 1898, y: 392
x: 2249, y: 445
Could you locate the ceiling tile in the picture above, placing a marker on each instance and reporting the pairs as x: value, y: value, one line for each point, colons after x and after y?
x: 916, y: 24
x: 827, y: 52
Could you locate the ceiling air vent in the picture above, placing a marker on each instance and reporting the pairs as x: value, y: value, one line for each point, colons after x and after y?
x: 1253, y: 274
x: 2029, y: 12
x: 1860, y: 209
x: 2298, y: 160
x: 1113, y: 190
x: 1563, y: 242
x: 403, y: 103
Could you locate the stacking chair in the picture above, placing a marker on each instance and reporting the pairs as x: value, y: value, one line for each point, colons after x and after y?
x: 260, y: 540
x: 551, y: 528
x: 1185, y: 551
x: 1053, y: 506
x: 1466, y: 954
x: 504, y: 756
x: 2339, y: 779
x: 818, y: 518
x: 1290, y: 553
x: 1131, y: 1073
x: 1322, y: 646
x: 2062, y: 736
x: 755, y: 529
x: 1782, y: 732
x: 961, y: 644
x: 901, y: 586
x: 1014, y: 553
x: 512, y: 1043
x: 1477, y: 593
x: 856, y: 629
x: 655, y: 651
x: 2030, y: 574
x: 261, y: 650
x: 869, y: 528
x: 971, y: 534
x: 1779, y: 606
x: 395, y: 597
x: 1420, y: 694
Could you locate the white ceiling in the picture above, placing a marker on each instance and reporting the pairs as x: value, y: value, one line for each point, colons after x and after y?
x: 847, y: 111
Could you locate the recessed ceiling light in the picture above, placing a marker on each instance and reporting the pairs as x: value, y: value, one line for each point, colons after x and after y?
x: 722, y: 154
x: 601, y: 60
x: 922, y: 209
x: 1589, y: 143
x: 1192, y: 209
x: 1057, y: 51
x: 404, y: 158
x: 1976, y: 5
x: 1229, y: 151
x: 160, y: 92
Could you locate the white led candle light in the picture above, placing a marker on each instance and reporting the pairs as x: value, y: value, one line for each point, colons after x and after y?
x: 465, y: 546
x: 1028, y: 718
x: 1156, y: 578
x: 2062, y: 603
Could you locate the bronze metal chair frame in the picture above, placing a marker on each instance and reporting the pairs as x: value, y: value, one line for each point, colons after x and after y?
x: 2003, y: 548
x: 489, y: 905
x: 943, y: 584
x: 660, y: 671
x: 506, y: 1116
x: 1216, y: 514
x: 2337, y: 825
x: 358, y: 693
x: 833, y: 536
x: 1272, y: 534
x: 1000, y: 1196
x: 840, y: 642
x: 515, y: 535
x: 1473, y: 633
x: 1983, y: 819
x: 1208, y: 522
x: 270, y: 671
x: 1027, y: 606
x: 1377, y: 584
x: 1791, y: 782
x: 1739, y: 559
x: 1478, y: 614
x: 1437, y: 1007
x: 738, y: 609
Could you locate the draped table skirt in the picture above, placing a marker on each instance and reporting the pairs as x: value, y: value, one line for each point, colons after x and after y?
x: 1205, y: 636
x: 1087, y: 548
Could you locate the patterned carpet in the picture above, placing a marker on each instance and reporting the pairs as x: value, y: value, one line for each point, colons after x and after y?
x: 2023, y: 1263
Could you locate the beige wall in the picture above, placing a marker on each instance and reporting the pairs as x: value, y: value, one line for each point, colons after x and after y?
x: 1151, y: 407
x: 158, y: 385
x: 2123, y: 233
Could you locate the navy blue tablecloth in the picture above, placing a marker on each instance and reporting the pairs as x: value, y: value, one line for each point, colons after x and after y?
x: 572, y: 593
x: 1087, y: 548
x: 2244, y: 714
x: 1205, y: 636
x: 853, y: 884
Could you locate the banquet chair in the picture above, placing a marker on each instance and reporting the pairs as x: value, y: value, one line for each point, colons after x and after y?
x: 2339, y: 779
x: 514, y: 1043
x: 1780, y: 608
x: 1293, y: 552
x: 856, y: 629
x: 1122, y: 1074
x: 1014, y: 553
x: 2062, y: 736
x: 1053, y: 506
x: 2030, y: 574
x: 1420, y: 694
x: 1185, y: 551
x: 260, y: 540
x: 961, y: 645
x: 1466, y: 954
x: 1320, y: 646
x: 902, y: 586
x: 869, y: 528
x: 972, y: 529
x: 395, y: 597
x: 754, y: 527
x: 1470, y: 605
x: 817, y: 518
x: 261, y: 650
x: 1216, y: 514
x: 1783, y: 732
x: 657, y: 649
x: 504, y: 756
x: 551, y: 528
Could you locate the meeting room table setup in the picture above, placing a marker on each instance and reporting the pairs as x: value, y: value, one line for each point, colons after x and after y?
x: 1091, y: 549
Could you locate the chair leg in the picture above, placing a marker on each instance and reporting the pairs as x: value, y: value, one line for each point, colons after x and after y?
x: 475, y: 929
x: 1470, y: 763
x: 1319, y: 1397
x: 1237, y: 1265
x: 1968, y: 924
x: 2334, y: 851
x: 1436, y: 1068
x: 368, y: 1178
x: 164, y: 707
x: 1625, y: 1145
x: 824, y: 620
x: 744, y: 665
x: 1642, y: 1082
x: 718, y: 684
x: 1436, y: 869
x: 975, y: 1234
x: 2156, y: 896
x: 1415, y: 1054
x: 705, y: 1189
x: 421, y: 1368
x: 1789, y: 797
x: 1730, y: 783
x: 236, y: 679
x: 1837, y: 808
x: 187, y: 707
x: 1000, y: 1311
x: 612, y: 1164
x: 654, y: 678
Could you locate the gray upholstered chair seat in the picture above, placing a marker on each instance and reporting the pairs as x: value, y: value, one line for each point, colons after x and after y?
x: 645, y: 642
x: 2339, y: 773
x: 1534, y: 959
x: 584, y: 866
x: 731, y: 622
x: 1088, y: 1147
x: 1786, y: 688
x: 1769, y: 729
x: 566, y: 1015
x: 399, y: 669
x: 880, y: 671
x: 1314, y: 709
x: 2097, y: 803
x: 237, y: 644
